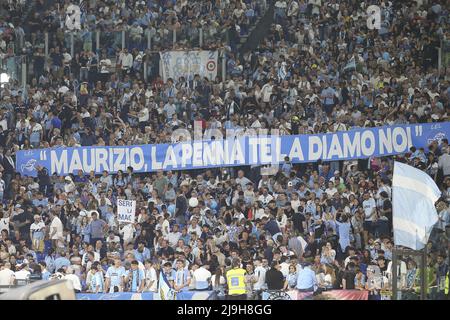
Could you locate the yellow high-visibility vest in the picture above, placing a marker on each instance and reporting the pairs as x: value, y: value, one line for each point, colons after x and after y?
x: 236, y: 281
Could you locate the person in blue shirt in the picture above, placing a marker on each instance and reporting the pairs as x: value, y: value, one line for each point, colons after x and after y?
x: 182, y: 277
x: 44, y: 272
x: 62, y: 261
x: 142, y: 253
x: 95, y: 280
x: 135, y: 277
x: 306, y: 280
x: 115, y: 277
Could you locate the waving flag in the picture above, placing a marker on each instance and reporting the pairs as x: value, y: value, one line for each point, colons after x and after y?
x: 165, y: 291
x: 414, y: 213
x: 282, y: 73
x: 350, y: 65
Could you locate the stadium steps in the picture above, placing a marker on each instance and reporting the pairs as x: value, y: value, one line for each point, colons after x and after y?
x: 258, y: 32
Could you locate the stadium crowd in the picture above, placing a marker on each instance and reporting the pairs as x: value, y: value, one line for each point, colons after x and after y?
x: 313, y: 227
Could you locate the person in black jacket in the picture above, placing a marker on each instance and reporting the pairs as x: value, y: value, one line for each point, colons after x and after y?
x: 274, y: 278
x: 45, y: 185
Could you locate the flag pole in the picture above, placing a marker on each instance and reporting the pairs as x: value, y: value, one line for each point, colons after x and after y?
x: 423, y: 273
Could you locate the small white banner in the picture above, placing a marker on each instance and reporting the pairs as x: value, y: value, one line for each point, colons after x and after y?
x: 176, y: 64
x: 126, y: 210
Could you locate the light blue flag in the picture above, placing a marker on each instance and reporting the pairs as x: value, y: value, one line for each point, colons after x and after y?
x: 413, y: 196
x: 350, y: 65
x: 165, y: 292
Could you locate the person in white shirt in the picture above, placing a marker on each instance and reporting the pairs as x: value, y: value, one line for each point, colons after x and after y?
x: 126, y: 60
x: 194, y: 227
x: 56, y: 230
x: 202, y: 277
x: 23, y: 275
x: 73, y: 278
x: 4, y: 218
x: 37, y: 233
x: 127, y: 231
x: 174, y: 235
x: 7, y: 276
x: 265, y: 198
x: 370, y: 214
x: 151, y: 280
x: 260, y: 273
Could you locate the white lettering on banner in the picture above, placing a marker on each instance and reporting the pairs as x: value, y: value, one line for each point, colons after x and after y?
x: 385, y: 140
x: 96, y: 159
x: 186, y: 154
x: 85, y: 158
x: 126, y: 210
x: 399, y: 132
x: 296, y: 150
x: 118, y: 165
x: 335, y: 147
x: 155, y: 164
x: 264, y: 148
x: 352, y: 147
x: 101, y: 158
x: 218, y: 152
x: 408, y: 133
x: 315, y: 141
x: 197, y: 159
x: 207, y: 155
x: 171, y: 159
x: 367, y: 150
x: 139, y: 153
x: 236, y: 153
x: 253, y: 146
x: 278, y: 155
x: 58, y: 165
x: 75, y: 162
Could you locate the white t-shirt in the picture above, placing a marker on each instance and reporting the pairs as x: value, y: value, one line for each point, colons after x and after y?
x: 150, y: 275
x: 4, y: 224
x: 75, y: 281
x: 368, y: 206
x: 22, y: 274
x: 145, y: 115
x: 56, y: 223
x: 260, y: 273
x: 5, y: 277
x: 197, y: 230
x: 201, y: 276
x: 37, y: 226
x: 127, y: 231
x: 165, y: 229
x: 173, y: 238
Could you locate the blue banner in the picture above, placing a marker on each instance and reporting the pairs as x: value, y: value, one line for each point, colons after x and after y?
x: 234, y: 151
x: 183, y: 295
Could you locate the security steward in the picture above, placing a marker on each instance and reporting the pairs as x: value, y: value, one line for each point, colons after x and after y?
x: 236, y: 282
